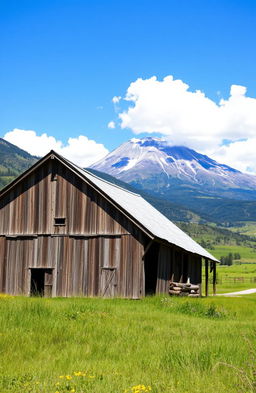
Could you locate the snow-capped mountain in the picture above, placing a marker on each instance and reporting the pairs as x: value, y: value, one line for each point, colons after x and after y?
x: 139, y: 160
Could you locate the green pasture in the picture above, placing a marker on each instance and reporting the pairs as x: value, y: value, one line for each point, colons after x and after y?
x: 248, y: 254
x: 158, y: 345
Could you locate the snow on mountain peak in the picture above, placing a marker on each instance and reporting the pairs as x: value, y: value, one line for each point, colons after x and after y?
x: 148, y: 157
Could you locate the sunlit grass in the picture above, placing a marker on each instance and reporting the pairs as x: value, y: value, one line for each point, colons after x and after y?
x: 118, y: 345
x: 247, y: 253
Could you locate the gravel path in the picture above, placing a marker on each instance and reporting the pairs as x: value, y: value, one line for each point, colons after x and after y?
x: 245, y: 292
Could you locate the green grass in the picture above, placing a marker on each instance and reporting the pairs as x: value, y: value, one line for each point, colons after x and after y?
x: 248, y: 254
x: 171, y: 345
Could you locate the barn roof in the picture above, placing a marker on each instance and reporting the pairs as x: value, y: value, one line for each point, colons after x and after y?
x: 142, y: 212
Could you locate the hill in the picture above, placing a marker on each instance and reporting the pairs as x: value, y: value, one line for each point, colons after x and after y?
x: 13, y: 161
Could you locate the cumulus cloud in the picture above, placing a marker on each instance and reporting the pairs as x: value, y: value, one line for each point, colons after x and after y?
x: 239, y: 155
x: 190, y: 118
x: 111, y: 124
x: 81, y: 150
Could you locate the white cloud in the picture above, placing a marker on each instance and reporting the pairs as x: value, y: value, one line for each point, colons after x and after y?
x: 111, y: 124
x: 190, y: 118
x: 116, y: 99
x: 81, y: 150
x: 239, y: 155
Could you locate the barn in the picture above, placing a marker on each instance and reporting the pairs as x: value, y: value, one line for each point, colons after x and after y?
x: 66, y: 232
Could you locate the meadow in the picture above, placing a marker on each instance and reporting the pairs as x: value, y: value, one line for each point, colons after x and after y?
x: 157, y: 344
x: 247, y: 254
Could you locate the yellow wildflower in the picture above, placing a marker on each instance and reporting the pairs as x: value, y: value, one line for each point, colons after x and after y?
x: 68, y: 377
x: 139, y: 389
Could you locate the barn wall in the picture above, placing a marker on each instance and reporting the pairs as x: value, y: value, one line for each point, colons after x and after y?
x: 22, y: 207
x: 96, y: 266
x: 2, y: 263
x: 165, y: 268
x: 178, y: 266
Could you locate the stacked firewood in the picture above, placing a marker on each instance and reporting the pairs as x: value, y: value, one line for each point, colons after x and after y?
x: 182, y: 289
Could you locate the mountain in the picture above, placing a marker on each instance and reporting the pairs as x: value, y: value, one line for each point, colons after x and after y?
x: 214, y: 191
x: 13, y: 161
x: 141, y: 160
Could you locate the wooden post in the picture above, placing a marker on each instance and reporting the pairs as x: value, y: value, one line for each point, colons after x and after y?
x: 206, y: 277
x: 182, y: 267
x: 214, y: 278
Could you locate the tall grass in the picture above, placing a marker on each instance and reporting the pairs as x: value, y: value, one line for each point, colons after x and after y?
x: 103, y: 345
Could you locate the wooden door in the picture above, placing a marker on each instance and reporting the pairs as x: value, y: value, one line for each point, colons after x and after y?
x: 108, y: 282
x: 48, y: 280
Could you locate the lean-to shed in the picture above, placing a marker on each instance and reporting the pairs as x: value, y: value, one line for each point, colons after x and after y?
x: 67, y: 232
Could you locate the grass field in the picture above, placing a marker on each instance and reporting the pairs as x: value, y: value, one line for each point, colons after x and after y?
x: 248, y: 254
x: 156, y: 344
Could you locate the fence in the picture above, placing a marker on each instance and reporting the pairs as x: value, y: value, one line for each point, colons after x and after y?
x: 234, y: 280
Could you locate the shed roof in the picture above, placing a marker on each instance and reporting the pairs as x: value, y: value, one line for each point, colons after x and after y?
x: 135, y: 206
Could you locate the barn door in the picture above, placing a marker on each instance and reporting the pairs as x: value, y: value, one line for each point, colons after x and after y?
x: 108, y: 282
x: 48, y: 279
x: 41, y: 282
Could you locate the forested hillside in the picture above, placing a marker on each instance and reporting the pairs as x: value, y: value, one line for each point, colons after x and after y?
x: 13, y: 161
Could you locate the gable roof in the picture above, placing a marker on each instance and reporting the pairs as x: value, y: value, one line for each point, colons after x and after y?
x: 137, y: 208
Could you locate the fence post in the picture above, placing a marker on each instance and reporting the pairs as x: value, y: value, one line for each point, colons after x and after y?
x: 214, y: 278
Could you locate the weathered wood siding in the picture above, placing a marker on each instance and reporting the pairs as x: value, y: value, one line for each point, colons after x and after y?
x: 77, y: 264
x: 177, y: 265
x: 22, y: 207
x: 54, y: 191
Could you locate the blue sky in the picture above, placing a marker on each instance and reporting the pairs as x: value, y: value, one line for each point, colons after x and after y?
x: 62, y: 62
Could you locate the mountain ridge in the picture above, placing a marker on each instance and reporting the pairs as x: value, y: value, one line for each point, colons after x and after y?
x: 141, y: 159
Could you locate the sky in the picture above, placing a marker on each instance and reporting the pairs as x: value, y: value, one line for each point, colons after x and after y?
x: 82, y: 76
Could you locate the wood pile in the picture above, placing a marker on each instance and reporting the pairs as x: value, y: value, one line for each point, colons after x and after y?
x: 182, y: 289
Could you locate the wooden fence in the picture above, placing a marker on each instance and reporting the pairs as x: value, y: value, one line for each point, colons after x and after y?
x: 234, y: 280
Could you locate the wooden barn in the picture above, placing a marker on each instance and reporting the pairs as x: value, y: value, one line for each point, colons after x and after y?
x: 67, y: 232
